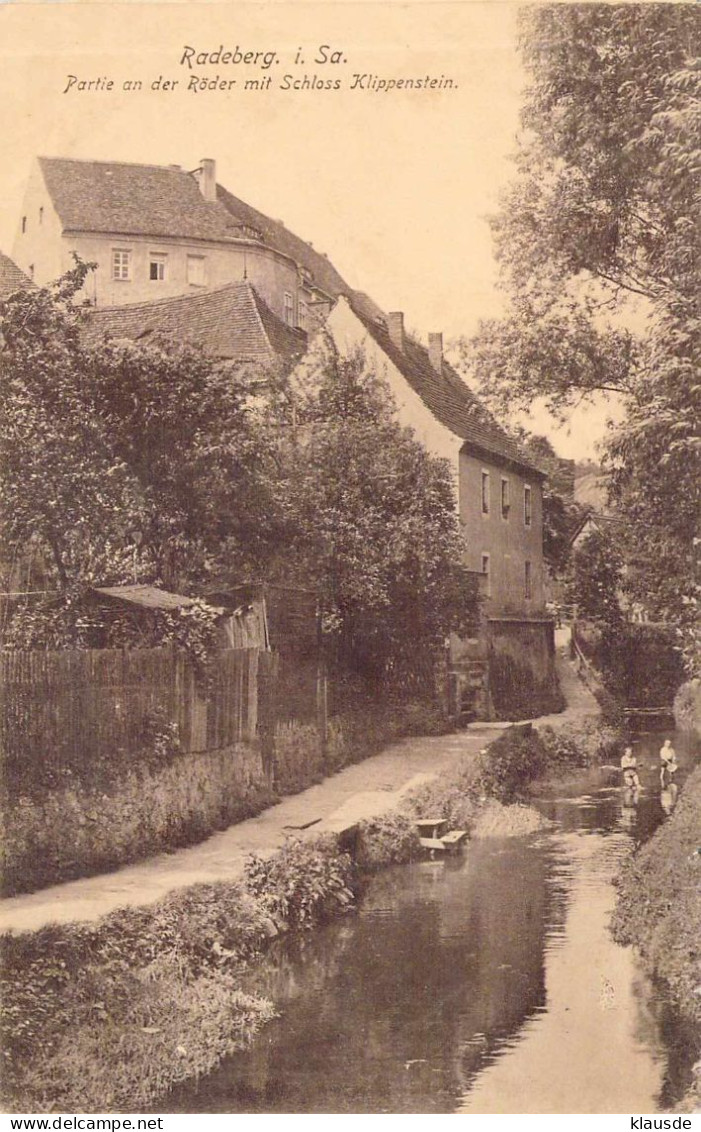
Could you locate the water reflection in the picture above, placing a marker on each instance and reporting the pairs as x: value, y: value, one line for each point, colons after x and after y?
x: 487, y: 983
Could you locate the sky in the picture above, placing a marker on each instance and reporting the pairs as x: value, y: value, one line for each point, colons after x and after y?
x: 396, y: 186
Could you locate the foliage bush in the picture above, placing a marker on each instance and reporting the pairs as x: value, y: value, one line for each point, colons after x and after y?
x: 176, y: 1029
x: 687, y: 707
x: 305, y: 882
x: 506, y: 768
x: 641, y: 664
x: 588, y: 743
x: 76, y: 832
x: 391, y: 839
x: 658, y: 908
x: 110, y: 1015
x: 299, y: 756
x: 612, y: 710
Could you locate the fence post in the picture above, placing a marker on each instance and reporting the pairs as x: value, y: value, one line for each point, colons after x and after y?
x: 322, y: 689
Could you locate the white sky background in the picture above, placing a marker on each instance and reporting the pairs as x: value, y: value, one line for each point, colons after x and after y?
x: 396, y: 187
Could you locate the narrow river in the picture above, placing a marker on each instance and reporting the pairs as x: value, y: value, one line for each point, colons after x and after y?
x: 486, y: 983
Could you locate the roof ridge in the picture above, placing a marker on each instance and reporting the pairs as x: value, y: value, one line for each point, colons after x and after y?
x: 448, y: 398
x: 131, y: 164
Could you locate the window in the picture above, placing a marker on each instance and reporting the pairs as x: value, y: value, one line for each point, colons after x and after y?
x: 157, y: 267
x: 196, y: 270
x: 486, y: 575
x: 527, y: 506
x: 528, y: 582
x: 31, y: 271
x: 24, y: 224
x: 121, y: 264
x: 289, y: 308
x: 485, y: 493
x: 41, y: 215
x: 505, y: 505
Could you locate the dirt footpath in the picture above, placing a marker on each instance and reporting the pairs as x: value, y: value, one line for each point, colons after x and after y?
x: 360, y: 791
x: 221, y: 856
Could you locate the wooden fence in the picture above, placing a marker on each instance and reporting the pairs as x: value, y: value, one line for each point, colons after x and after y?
x: 72, y: 709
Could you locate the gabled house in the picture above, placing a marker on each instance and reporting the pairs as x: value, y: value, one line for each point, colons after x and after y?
x: 159, y: 231
x: 179, y: 255
x: 499, y: 499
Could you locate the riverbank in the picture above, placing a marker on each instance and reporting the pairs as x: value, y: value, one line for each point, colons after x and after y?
x: 121, y: 986
x: 145, y: 997
x: 658, y: 909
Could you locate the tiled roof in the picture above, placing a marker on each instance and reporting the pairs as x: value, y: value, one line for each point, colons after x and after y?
x: 231, y: 323
x: 447, y: 396
x: 159, y: 200
x: 11, y: 277
x: 149, y: 200
x: 276, y: 235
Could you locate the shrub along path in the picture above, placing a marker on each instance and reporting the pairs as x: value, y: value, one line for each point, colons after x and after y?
x: 367, y: 788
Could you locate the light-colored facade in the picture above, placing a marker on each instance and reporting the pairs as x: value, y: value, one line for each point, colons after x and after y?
x: 501, y: 516
x: 157, y: 251
x: 504, y: 543
x: 499, y: 500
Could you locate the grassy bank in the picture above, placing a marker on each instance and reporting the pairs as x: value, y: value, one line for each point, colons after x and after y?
x: 659, y: 912
x: 109, y: 1016
x: 658, y: 908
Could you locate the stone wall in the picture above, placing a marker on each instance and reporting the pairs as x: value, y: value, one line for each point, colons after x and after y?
x: 522, y: 678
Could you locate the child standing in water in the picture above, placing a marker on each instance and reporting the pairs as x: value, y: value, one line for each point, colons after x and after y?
x: 668, y: 761
x: 629, y: 766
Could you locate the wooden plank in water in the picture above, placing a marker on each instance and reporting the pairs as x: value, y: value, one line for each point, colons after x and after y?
x: 452, y: 839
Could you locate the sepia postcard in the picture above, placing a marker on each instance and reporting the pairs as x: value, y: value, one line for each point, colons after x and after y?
x: 298, y: 458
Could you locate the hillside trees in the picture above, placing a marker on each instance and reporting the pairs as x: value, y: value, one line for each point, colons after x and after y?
x: 597, y: 240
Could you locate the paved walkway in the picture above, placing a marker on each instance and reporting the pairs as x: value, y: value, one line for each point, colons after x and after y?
x: 362, y: 790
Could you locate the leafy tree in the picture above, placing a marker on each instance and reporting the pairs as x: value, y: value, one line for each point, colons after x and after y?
x: 122, y: 462
x: 597, y: 578
x: 63, y: 485
x: 371, y: 516
x: 597, y: 240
